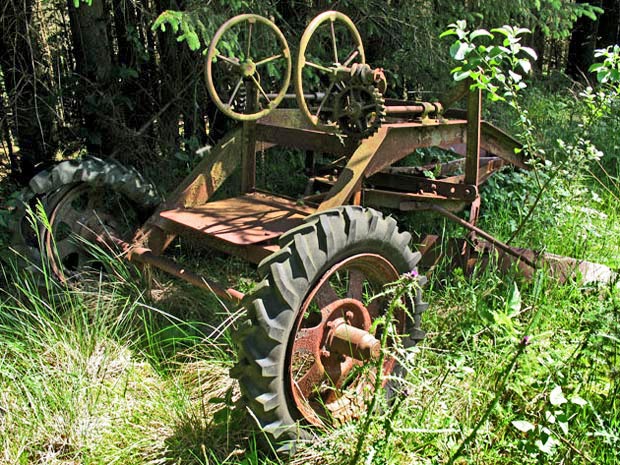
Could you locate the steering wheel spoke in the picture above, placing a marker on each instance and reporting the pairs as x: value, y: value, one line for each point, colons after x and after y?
x: 326, y: 34
x: 256, y: 28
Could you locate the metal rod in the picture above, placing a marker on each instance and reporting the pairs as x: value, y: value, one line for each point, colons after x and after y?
x: 506, y: 248
x: 147, y: 257
x: 404, y: 109
x: 309, y: 97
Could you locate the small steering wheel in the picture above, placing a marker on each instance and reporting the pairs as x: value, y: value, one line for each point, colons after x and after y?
x: 321, y: 114
x: 245, y: 68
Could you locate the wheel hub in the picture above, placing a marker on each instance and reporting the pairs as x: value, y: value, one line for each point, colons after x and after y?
x: 248, y: 68
x: 332, y: 355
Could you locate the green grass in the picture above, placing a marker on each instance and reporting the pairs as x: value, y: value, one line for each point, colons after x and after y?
x: 114, y: 373
x: 511, y: 372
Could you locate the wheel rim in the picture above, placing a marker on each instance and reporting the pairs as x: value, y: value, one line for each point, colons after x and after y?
x: 86, y: 215
x: 247, y: 68
x: 320, y: 114
x: 332, y: 353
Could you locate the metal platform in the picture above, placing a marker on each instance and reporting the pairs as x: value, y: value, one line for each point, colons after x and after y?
x: 249, y: 219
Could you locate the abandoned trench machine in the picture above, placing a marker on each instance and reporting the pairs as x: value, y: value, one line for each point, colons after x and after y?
x: 310, y: 348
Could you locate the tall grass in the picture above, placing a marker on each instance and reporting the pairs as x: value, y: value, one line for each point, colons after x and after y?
x: 97, y: 373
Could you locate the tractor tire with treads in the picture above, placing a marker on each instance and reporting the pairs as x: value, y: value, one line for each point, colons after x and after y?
x: 51, y: 186
x: 291, y: 371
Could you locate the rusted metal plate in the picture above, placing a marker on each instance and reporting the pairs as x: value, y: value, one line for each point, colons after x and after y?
x: 404, y: 138
x: 500, y: 143
x: 249, y: 219
x: 421, y: 185
x: 405, y: 201
x: 351, y: 176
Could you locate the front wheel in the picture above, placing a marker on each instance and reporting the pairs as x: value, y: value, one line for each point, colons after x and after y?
x: 310, y: 350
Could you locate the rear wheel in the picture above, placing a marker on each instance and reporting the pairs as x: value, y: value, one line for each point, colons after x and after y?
x: 310, y: 350
x: 83, y: 201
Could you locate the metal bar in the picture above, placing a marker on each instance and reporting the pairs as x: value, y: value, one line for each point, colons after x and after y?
x: 145, y: 256
x: 248, y: 155
x: 353, y: 173
x: 404, y: 109
x: 311, y: 97
x: 472, y: 161
x: 461, y: 222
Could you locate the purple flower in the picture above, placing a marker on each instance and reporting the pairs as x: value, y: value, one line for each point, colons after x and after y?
x: 525, y: 341
x: 412, y: 275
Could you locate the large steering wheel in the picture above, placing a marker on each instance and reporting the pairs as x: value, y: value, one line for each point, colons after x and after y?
x: 331, y: 72
x: 237, y: 58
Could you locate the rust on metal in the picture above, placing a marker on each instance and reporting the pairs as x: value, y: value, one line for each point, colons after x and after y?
x: 420, y: 185
x: 354, y: 171
x: 500, y: 143
x: 472, y: 159
x: 288, y: 128
x: 354, y: 342
x: 496, y: 242
x: 403, y: 138
x: 145, y: 256
x: 248, y: 155
x: 249, y: 219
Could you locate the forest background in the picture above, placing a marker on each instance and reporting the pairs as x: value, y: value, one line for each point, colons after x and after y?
x: 100, y: 76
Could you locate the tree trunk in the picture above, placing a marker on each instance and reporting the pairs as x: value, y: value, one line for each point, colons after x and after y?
x: 28, y: 96
x: 582, y: 45
x: 609, y: 24
x: 93, y: 59
x: 6, y: 136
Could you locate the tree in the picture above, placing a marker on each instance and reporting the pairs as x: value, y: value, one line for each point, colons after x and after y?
x: 29, y: 97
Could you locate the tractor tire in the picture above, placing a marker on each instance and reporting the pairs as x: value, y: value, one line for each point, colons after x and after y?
x: 320, y: 280
x: 52, y: 185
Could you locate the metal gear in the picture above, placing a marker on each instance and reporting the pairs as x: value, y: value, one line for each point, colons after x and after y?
x: 359, y: 110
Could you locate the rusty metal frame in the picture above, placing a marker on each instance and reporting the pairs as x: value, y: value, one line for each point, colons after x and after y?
x: 367, y: 177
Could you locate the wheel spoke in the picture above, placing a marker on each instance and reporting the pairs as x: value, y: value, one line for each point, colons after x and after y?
x: 71, y: 216
x: 356, y: 285
x: 309, y: 339
x: 267, y: 60
x: 260, y: 88
x: 95, y: 200
x: 310, y: 380
x: 374, y: 307
x: 66, y: 247
x: 231, y: 61
x: 234, y: 93
x: 250, y: 24
x: 327, y: 94
x: 319, y: 67
x: 331, y: 25
x: 325, y: 295
x: 351, y: 57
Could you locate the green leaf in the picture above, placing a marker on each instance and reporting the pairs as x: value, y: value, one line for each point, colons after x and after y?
x: 501, y: 30
x: 531, y: 52
x: 525, y: 65
x: 480, y: 33
x: 459, y: 50
x: 522, y: 425
x: 557, y: 396
x: 515, y: 76
x: 449, y: 32
x: 461, y: 75
x: 589, y: 13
